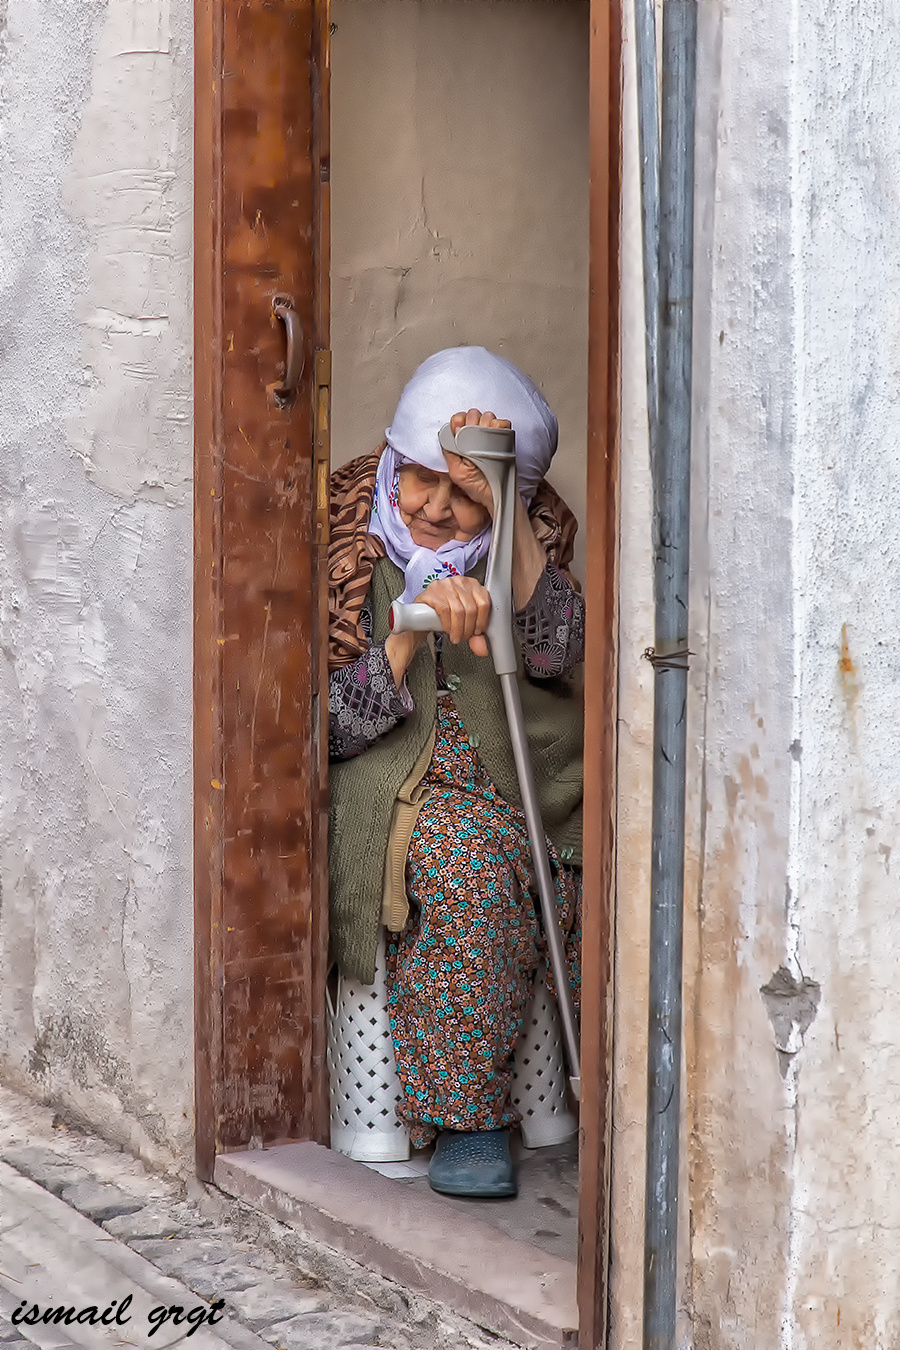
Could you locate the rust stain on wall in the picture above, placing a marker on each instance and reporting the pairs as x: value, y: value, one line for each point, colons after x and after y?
x: 850, y: 684
x: 849, y: 680
x: 846, y: 662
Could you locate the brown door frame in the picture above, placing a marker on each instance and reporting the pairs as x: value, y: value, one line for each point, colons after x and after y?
x: 262, y: 227
x: 601, y: 672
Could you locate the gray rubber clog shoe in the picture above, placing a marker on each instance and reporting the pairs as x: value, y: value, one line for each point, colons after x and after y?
x: 475, y: 1163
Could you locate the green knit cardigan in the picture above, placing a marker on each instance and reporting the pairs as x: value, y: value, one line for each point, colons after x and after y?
x: 363, y: 789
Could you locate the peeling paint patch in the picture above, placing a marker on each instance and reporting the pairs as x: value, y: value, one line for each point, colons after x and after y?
x: 135, y: 325
x: 792, y: 1006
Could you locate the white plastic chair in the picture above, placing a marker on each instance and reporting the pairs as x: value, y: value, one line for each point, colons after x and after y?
x: 365, y: 1088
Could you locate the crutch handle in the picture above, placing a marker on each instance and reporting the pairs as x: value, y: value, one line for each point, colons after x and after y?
x: 493, y: 450
x: 413, y: 619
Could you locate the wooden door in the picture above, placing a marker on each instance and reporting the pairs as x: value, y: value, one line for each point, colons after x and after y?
x: 261, y: 232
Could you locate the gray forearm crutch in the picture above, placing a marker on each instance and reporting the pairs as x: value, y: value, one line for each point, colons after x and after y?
x: 493, y: 450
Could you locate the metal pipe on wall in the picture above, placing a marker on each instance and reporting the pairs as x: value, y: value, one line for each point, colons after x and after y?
x: 648, y: 144
x: 671, y: 535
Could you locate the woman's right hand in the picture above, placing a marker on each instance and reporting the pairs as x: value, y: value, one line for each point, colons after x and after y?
x: 463, y: 606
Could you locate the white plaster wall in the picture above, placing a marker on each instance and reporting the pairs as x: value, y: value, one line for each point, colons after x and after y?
x: 789, y: 1215
x: 745, y: 440
x: 95, y: 562
x: 459, y: 173
x: 844, y: 1274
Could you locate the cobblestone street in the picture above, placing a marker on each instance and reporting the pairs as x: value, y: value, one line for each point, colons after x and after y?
x: 85, y: 1228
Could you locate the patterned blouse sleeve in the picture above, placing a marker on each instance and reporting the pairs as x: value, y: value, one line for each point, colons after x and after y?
x: 364, y: 701
x: 551, y: 627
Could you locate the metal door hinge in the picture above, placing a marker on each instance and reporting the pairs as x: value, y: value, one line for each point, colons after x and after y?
x: 322, y: 444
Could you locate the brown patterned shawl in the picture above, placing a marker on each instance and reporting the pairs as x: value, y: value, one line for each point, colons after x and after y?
x: 353, y: 552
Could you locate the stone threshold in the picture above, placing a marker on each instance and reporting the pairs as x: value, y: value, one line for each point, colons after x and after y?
x: 509, y: 1287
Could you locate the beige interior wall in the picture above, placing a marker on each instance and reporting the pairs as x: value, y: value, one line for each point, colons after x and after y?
x: 459, y: 203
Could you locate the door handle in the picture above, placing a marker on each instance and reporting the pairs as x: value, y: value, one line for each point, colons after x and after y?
x: 283, y: 309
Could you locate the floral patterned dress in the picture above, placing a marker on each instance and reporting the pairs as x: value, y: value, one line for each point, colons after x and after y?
x: 461, y: 972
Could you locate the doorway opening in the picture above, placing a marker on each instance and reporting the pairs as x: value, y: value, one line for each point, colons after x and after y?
x: 460, y: 216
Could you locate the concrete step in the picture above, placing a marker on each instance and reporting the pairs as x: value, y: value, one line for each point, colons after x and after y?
x: 509, y: 1286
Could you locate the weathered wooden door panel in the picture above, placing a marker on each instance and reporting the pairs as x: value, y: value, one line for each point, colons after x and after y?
x: 260, y: 857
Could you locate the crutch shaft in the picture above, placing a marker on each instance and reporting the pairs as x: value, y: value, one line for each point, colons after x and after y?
x: 546, y: 889
x: 494, y: 453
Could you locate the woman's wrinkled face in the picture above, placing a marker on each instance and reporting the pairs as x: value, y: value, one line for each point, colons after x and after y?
x: 435, y: 510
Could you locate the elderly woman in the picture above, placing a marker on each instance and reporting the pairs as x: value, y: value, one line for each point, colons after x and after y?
x: 427, y: 832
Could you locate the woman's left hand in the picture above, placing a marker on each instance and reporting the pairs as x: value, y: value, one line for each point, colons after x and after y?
x: 467, y: 476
